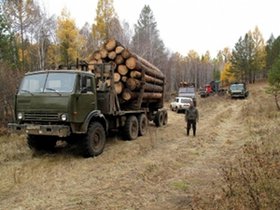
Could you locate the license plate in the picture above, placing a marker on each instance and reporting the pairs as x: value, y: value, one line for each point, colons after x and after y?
x: 33, y: 127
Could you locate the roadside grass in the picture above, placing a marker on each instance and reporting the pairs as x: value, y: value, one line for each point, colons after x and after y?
x: 252, y: 179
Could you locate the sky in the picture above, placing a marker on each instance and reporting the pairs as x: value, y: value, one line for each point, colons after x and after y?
x: 184, y: 25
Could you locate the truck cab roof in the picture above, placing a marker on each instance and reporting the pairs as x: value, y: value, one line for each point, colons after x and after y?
x: 60, y: 71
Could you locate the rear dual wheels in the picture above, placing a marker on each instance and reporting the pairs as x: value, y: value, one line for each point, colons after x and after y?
x: 135, y: 126
x: 131, y: 128
x: 143, y: 124
x: 161, y: 118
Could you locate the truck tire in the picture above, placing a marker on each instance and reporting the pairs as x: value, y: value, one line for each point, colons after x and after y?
x: 158, y: 120
x: 131, y: 128
x: 165, y: 118
x: 41, y: 143
x: 143, y: 124
x: 95, y: 140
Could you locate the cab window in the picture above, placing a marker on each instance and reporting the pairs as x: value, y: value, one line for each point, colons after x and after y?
x: 86, y: 84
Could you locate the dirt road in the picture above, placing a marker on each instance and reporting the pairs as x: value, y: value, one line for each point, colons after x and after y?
x: 162, y: 170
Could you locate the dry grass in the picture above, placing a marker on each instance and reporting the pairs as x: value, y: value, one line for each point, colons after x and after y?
x: 251, y: 179
x: 162, y: 170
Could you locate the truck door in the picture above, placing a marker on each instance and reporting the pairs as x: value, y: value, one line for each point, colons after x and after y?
x: 86, y: 102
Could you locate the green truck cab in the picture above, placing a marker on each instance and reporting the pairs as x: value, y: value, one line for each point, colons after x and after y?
x: 66, y: 104
x: 238, y: 90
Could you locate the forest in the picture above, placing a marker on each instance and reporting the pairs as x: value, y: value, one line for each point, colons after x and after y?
x: 31, y: 40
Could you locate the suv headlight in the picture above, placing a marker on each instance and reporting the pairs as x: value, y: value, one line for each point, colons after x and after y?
x: 20, y: 116
x: 63, y: 117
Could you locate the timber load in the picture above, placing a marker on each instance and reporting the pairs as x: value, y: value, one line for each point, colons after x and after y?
x: 136, y: 81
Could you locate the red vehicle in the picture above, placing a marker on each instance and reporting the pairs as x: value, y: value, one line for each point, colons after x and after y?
x: 208, y: 89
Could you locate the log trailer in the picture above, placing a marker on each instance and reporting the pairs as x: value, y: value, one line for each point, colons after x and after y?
x: 84, y: 106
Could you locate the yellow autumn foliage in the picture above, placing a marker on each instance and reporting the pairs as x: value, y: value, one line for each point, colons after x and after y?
x: 68, y: 36
x: 227, y: 76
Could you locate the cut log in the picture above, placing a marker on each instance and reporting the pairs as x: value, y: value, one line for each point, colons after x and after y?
x: 152, y: 88
x: 119, y: 87
x: 122, y: 69
x: 133, y: 84
x: 119, y: 60
x: 97, y: 55
x: 119, y: 49
x: 124, y: 78
x: 103, y: 53
x: 147, y: 78
x: 147, y: 95
x: 117, y: 77
x: 131, y: 62
x: 111, y: 44
x: 149, y: 71
x: 112, y: 55
x: 126, y: 54
x: 145, y: 62
x: 128, y: 95
x: 99, y: 61
x: 135, y: 63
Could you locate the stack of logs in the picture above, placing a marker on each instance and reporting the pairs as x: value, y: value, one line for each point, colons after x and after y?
x: 186, y: 84
x: 134, y: 76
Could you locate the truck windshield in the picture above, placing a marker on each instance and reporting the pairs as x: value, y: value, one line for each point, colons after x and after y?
x: 48, y: 82
x: 237, y: 87
x: 187, y: 90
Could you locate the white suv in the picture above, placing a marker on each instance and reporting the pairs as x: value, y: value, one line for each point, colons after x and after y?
x: 180, y: 104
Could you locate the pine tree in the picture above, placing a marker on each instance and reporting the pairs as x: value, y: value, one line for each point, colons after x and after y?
x: 7, y: 53
x: 273, y: 51
x: 146, y: 41
x: 248, y: 56
x: 274, y: 81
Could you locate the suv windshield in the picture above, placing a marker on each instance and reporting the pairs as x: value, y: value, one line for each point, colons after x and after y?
x: 186, y: 100
x: 48, y: 82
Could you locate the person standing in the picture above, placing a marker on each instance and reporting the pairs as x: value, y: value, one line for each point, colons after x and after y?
x: 191, y: 118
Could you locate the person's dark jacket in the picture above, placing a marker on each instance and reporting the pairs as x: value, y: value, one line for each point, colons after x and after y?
x: 191, y: 114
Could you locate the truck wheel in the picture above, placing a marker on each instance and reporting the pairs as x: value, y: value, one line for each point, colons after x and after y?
x: 131, y: 128
x: 95, y: 140
x: 143, y: 124
x: 158, y: 120
x: 41, y: 143
x: 165, y: 118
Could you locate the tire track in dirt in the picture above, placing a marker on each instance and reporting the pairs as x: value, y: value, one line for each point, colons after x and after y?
x: 219, y: 135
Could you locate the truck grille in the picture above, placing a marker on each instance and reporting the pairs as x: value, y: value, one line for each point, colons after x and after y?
x: 39, y: 116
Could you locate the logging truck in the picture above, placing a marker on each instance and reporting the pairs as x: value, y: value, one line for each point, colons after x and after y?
x: 85, y: 107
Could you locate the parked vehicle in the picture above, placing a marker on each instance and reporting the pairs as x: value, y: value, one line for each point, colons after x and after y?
x: 238, y: 90
x: 206, y: 91
x: 187, y: 91
x: 74, y: 104
x: 180, y: 104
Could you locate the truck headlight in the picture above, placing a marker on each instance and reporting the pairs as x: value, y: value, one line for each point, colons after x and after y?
x: 20, y: 116
x: 63, y: 117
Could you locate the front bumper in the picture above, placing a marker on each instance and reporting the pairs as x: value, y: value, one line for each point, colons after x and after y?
x: 237, y: 95
x: 47, y: 130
